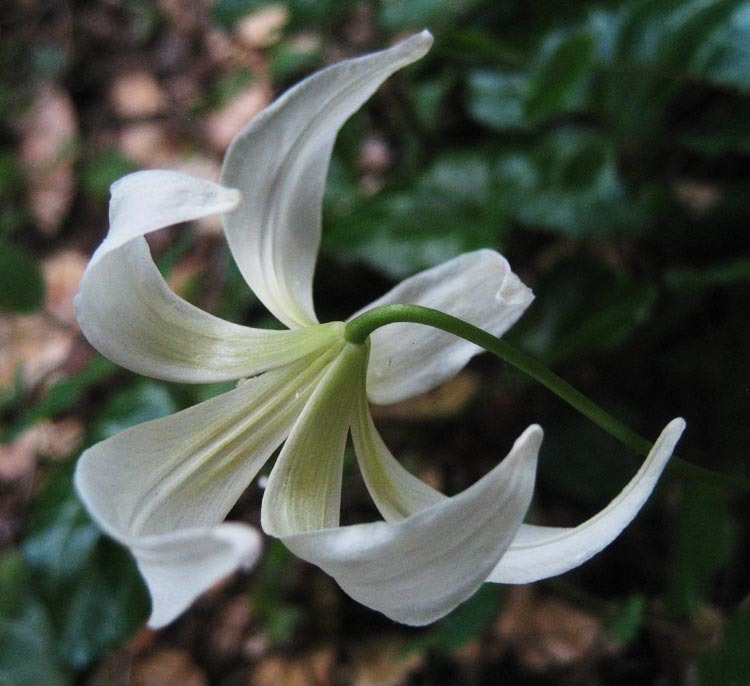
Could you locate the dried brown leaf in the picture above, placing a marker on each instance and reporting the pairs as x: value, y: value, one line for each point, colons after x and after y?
x: 17, y: 459
x: 52, y: 439
x: 137, y: 94
x: 262, y: 28
x: 313, y: 669
x: 444, y: 401
x: 62, y: 274
x: 47, y: 154
x: 383, y: 662
x: 230, y: 629
x: 698, y: 196
x: 149, y: 144
x: 549, y: 632
x: 32, y: 347
x: 167, y: 666
x: 224, y: 124
x: 38, y: 344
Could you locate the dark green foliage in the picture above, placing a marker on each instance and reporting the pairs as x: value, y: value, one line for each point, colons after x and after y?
x: 583, y: 308
x: 604, y: 147
x: 90, y: 586
x: 21, y: 281
x: 703, y: 546
x: 27, y: 637
x: 728, y: 662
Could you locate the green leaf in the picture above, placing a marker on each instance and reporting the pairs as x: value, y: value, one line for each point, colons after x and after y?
x: 21, y: 280
x: 271, y: 588
x: 289, y: 59
x: 429, y: 96
x: 703, y: 545
x: 228, y: 12
x: 624, y: 620
x: 557, y: 82
x: 61, y: 536
x: 304, y: 13
x: 105, y: 605
x: 140, y: 402
x: 27, y: 638
x: 453, y: 208
x: 723, y: 55
x: 568, y: 465
x: 702, y: 279
x: 99, y: 172
x: 721, y: 129
x: 496, y: 99
x: 90, y: 585
x: 728, y: 662
x: 62, y: 395
x: 462, y: 625
x: 661, y: 45
x: 582, y: 308
x: 396, y: 14
x: 569, y: 182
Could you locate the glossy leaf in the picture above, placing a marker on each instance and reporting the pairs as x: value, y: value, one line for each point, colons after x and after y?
x: 397, y: 15
x: 700, y: 280
x: 21, y: 281
x: 557, y: 83
x: 624, y: 621
x: 27, y: 637
x: 140, y: 402
x: 570, y: 183
x: 497, y: 99
x: 453, y: 208
x: 89, y: 585
x: 705, y: 534
x: 728, y: 662
x: 663, y: 43
x: 582, y: 308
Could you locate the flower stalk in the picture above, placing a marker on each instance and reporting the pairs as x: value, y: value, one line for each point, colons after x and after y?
x: 360, y: 327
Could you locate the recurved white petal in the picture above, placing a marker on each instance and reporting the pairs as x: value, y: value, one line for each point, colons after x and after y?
x: 395, y: 491
x: 408, y: 359
x: 145, y: 201
x: 128, y: 313
x: 179, y: 567
x: 280, y: 161
x: 163, y: 488
x: 419, y: 569
x: 539, y: 552
x: 304, y: 488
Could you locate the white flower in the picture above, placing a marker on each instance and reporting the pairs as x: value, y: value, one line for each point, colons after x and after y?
x: 164, y: 488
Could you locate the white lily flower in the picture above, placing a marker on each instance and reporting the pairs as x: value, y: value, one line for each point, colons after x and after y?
x: 164, y: 488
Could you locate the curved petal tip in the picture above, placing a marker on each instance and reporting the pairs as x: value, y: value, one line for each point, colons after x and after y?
x: 179, y: 568
x: 539, y: 552
x: 420, y: 43
x: 417, y: 570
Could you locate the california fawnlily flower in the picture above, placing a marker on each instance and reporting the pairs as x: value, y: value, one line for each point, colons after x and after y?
x: 164, y: 488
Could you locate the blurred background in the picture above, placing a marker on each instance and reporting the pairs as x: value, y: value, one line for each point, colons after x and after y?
x: 603, y: 147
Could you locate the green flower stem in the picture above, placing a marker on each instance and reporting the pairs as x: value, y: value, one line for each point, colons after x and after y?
x: 359, y: 328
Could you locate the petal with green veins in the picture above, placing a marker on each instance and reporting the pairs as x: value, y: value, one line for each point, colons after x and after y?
x: 537, y: 552
x: 304, y: 488
x: 395, y: 491
x: 128, y: 313
x: 166, y: 485
x: 417, y: 570
x: 280, y: 161
x: 407, y: 359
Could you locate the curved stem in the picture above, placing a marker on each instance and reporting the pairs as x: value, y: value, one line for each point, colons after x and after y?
x: 358, y: 329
